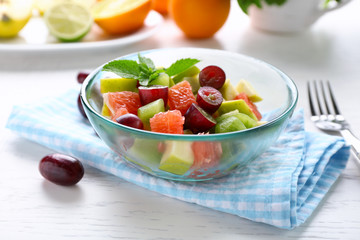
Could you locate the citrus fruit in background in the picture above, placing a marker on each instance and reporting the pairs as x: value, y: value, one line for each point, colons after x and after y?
x: 68, y: 21
x: 121, y: 16
x: 160, y: 6
x: 199, y: 18
x: 14, y: 15
x: 43, y: 5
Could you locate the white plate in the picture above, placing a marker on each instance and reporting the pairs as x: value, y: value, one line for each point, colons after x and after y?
x: 36, y: 38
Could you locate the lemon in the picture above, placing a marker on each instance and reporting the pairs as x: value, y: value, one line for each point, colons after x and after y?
x: 14, y: 15
x: 68, y: 21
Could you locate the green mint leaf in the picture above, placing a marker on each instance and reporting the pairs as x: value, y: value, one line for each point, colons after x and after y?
x: 124, y: 68
x: 147, y: 61
x: 245, y: 4
x: 180, y: 66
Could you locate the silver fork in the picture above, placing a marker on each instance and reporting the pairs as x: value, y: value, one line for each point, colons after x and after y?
x: 326, y: 115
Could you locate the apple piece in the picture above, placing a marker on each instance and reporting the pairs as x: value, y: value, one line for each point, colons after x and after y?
x: 240, y: 105
x: 245, y: 119
x: 163, y: 79
x: 118, y: 85
x: 197, y: 120
x: 177, y: 158
x: 192, y: 71
x: 244, y: 86
x: 229, y: 124
x: 149, y: 110
x: 228, y: 90
x: 194, y: 82
x: 152, y: 93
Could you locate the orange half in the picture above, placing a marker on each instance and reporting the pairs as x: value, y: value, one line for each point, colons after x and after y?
x: 121, y: 16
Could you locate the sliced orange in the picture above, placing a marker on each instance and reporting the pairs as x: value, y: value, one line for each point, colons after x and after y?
x: 121, y: 16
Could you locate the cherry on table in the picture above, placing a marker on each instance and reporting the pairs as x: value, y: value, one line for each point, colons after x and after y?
x: 82, y: 76
x: 61, y: 169
x: 80, y: 107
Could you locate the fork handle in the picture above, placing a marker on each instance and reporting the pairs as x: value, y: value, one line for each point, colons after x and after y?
x: 353, y: 141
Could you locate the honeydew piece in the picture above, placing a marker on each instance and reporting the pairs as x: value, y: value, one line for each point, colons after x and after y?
x: 192, y: 71
x: 163, y: 79
x: 228, y: 90
x: 118, y: 85
x: 245, y: 119
x: 177, y: 158
x: 239, y: 104
x: 149, y: 110
x: 229, y: 124
x: 246, y: 87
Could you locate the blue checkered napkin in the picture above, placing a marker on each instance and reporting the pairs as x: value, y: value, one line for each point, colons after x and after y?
x: 281, y: 188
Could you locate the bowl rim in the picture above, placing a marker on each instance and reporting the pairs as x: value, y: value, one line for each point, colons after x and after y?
x: 190, y: 137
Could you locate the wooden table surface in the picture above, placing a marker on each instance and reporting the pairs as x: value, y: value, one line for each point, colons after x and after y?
x: 103, y: 206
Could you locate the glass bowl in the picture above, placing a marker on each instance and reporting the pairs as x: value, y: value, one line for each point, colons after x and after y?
x: 215, y: 155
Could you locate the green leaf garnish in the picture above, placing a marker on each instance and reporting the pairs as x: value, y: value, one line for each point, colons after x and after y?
x: 245, y: 4
x: 147, y: 61
x: 145, y: 70
x: 123, y: 68
x: 180, y: 66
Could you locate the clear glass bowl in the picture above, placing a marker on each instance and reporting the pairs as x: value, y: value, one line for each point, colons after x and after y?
x: 142, y: 149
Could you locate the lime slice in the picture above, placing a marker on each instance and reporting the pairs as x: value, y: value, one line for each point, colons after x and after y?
x: 68, y: 21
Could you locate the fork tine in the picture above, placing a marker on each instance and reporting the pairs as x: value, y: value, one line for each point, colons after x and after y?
x: 312, y: 110
x: 317, y: 94
x: 324, y: 97
x: 336, y: 109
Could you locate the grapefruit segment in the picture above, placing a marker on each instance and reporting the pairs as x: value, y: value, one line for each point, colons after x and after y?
x: 168, y: 122
x: 125, y: 99
x: 181, y: 97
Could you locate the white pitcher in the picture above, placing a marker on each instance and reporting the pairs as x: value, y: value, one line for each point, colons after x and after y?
x: 292, y: 16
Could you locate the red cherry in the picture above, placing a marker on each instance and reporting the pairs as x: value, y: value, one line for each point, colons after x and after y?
x: 212, y: 76
x: 130, y: 120
x: 197, y: 120
x: 152, y: 93
x: 209, y: 99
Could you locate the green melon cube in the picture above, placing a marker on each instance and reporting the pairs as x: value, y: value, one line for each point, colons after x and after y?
x: 245, y: 119
x: 229, y: 124
x: 149, y: 110
x: 240, y: 105
x: 163, y: 79
x: 192, y: 71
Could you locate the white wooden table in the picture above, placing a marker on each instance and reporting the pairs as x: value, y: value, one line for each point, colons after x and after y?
x: 102, y: 206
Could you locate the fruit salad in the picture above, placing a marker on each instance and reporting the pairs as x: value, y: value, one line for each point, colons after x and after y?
x: 179, y: 99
